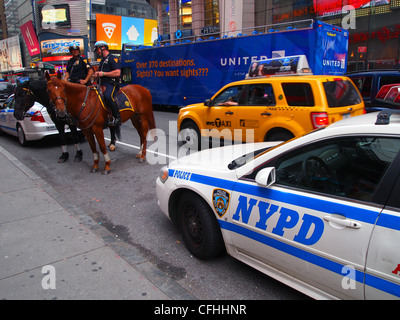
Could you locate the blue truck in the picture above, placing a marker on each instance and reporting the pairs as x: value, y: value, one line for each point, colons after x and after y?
x: 186, y: 72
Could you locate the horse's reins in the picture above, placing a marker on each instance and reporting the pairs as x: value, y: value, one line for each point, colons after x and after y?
x: 91, y: 112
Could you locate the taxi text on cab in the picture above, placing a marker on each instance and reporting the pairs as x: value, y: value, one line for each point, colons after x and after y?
x: 271, y: 108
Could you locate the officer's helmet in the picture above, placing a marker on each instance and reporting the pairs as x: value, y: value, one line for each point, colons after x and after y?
x: 73, y: 47
x: 100, y: 44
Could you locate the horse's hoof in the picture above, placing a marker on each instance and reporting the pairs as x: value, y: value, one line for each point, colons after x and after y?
x: 64, y: 157
x: 93, y: 170
x: 78, y: 156
x: 106, y: 172
x: 141, y: 160
x: 111, y: 147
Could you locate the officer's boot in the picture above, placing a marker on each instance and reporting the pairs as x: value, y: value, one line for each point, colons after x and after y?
x: 116, y: 115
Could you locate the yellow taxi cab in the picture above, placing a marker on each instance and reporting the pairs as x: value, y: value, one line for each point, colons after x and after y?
x: 287, y: 104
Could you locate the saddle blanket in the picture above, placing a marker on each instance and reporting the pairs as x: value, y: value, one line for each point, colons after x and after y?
x: 123, y: 101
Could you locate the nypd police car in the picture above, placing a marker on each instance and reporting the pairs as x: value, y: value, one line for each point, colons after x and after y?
x: 320, y: 213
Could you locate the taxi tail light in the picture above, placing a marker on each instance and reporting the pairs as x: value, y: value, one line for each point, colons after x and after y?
x: 319, y: 119
x: 37, y: 116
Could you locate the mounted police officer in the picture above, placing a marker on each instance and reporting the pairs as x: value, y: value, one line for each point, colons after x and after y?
x: 109, y: 73
x: 79, y: 69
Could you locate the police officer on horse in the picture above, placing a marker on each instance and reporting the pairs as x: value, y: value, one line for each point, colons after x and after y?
x: 79, y: 69
x: 109, y: 73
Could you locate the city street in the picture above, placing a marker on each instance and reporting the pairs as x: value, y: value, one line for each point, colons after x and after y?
x: 125, y: 203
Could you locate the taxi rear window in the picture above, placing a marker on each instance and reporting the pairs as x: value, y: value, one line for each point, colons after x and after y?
x: 341, y: 93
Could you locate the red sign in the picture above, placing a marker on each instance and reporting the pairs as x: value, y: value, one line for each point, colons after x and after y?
x: 30, y: 38
x: 362, y: 49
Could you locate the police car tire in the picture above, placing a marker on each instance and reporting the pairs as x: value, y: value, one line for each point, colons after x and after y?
x: 21, y: 136
x: 199, y: 227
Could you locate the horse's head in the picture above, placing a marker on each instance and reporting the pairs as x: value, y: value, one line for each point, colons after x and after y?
x: 55, y: 90
x: 24, y: 100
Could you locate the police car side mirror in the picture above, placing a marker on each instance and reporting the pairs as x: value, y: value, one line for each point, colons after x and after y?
x: 266, y: 177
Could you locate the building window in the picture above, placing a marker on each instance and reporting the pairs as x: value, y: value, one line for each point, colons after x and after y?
x: 211, y: 13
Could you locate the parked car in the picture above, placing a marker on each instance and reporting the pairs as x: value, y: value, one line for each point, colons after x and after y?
x: 370, y: 82
x: 320, y: 213
x: 6, y: 89
x: 36, y: 125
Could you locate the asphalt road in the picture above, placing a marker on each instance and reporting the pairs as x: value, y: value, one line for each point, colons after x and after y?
x: 125, y: 203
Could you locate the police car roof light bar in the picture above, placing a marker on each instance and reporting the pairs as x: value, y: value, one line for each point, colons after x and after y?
x: 384, y: 116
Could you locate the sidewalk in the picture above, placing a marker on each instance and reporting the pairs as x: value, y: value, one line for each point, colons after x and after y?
x: 47, y: 242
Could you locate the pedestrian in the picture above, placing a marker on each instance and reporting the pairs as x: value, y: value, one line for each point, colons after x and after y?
x: 108, y: 74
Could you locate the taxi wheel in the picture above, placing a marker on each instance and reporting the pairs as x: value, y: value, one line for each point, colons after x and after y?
x: 190, y: 135
x: 199, y: 227
x: 21, y: 136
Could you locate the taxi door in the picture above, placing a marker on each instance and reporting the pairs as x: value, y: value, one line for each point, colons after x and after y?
x: 316, y: 221
x: 241, y: 110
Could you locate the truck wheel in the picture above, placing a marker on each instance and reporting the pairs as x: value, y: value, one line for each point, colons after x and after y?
x: 199, y: 227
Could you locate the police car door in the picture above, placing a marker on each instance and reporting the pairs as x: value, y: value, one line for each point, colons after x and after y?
x: 382, y: 279
x: 315, y: 222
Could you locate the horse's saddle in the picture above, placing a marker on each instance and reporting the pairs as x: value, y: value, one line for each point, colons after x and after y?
x: 121, y: 99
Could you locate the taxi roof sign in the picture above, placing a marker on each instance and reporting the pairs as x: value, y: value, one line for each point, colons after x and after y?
x: 291, y: 65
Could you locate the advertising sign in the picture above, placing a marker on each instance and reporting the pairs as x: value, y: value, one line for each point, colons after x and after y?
x: 10, y: 54
x: 31, y: 41
x: 116, y: 30
x: 329, y: 7
x: 58, y: 49
x: 189, y: 73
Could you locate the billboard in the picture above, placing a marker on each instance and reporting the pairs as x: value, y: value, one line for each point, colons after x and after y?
x: 116, y: 30
x: 10, y: 54
x: 58, y: 49
x: 192, y: 72
x: 329, y: 7
x: 31, y: 41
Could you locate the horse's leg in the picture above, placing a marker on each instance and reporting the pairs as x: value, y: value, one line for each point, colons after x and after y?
x: 143, y: 138
x: 136, y: 123
x: 63, y: 140
x: 92, y: 143
x: 99, y: 133
x: 111, y: 146
x: 74, y: 133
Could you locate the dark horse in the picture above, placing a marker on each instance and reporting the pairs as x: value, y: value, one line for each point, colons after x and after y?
x: 35, y: 90
x: 87, y: 108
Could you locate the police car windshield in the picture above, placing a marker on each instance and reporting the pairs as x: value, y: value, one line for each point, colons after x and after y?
x: 242, y: 160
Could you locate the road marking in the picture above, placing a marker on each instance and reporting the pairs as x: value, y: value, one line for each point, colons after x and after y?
x: 138, y: 148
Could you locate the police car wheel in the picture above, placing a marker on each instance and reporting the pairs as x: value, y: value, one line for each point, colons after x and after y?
x: 199, y: 227
x: 21, y: 136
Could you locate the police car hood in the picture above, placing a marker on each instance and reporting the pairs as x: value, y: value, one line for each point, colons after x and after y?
x: 220, y: 158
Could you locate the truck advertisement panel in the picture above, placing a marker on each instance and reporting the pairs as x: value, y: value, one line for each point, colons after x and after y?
x: 183, y: 74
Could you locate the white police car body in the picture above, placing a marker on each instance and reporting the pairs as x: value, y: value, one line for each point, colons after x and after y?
x: 36, y: 125
x: 320, y: 213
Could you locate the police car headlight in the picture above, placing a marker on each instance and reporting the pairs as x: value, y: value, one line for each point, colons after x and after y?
x: 163, y: 174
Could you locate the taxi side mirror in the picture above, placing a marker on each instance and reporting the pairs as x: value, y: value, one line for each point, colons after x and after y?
x: 208, y: 102
x: 266, y: 177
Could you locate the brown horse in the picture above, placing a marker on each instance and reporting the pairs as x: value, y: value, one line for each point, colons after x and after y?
x: 86, y: 106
